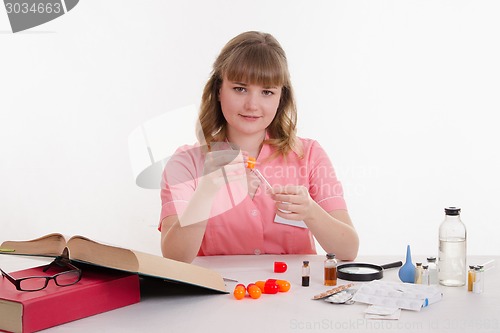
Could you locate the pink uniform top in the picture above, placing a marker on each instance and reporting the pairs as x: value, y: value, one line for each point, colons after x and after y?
x: 245, y: 225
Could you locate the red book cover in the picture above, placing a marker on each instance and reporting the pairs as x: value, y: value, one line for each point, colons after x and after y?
x: 99, y: 290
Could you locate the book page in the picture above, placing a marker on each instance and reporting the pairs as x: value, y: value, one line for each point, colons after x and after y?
x: 50, y: 245
x: 11, y: 316
x: 156, y: 266
x: 87, y: 250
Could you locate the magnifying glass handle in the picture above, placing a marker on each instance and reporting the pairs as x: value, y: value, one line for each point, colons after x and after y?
x: 392, y: 265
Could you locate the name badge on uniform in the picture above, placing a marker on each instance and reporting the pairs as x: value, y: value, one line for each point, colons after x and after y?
x: 300, y: 224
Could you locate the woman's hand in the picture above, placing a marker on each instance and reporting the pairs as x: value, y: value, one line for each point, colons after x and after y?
x: 333, y: 230
x: 222, y: 167
x: 293, y: 202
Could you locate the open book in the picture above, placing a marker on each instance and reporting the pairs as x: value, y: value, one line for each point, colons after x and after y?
x: 85, y: 250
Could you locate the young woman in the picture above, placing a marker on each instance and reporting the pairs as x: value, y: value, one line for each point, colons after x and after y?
x: 213, y: 204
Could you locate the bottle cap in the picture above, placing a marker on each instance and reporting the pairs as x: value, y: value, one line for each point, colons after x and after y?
x: 330, y: 255
x: 251, y: 162
x: 306, y: 262
x: 431, y: 259
x: 453, y: 211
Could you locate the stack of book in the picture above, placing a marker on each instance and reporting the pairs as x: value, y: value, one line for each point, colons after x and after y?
x: 110, y: 280
x: 99, y: 290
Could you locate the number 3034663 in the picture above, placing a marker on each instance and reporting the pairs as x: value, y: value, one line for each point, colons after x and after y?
x: 34, y: 8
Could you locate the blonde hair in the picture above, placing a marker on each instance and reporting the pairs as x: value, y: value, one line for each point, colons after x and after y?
x: 256, y: 58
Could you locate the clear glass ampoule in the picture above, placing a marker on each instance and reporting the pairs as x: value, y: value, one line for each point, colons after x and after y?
x: 251, y: 165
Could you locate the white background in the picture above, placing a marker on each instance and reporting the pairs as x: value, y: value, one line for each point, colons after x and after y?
x: 403, y: 95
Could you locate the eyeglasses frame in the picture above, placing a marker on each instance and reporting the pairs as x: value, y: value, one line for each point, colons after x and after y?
x: 61, y: 261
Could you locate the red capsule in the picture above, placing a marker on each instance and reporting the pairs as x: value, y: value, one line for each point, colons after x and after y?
x: 280, y: 267
x: 271, y: 287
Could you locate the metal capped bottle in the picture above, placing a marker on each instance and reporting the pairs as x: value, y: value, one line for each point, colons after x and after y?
x: 452, y: 264
x: 433, y: 270
x: 305, y: 273
x: 330, y: 270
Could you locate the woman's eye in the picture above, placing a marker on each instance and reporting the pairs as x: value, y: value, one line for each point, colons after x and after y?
x: 239, y: 89
x: 267, y: 93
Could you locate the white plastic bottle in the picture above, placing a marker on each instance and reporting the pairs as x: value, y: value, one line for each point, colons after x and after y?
x: 452, y: 264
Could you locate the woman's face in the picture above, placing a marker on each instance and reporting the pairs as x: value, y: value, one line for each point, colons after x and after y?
x: 248, y: 108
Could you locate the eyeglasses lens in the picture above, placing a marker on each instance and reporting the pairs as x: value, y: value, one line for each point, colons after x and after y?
x: 67, y: 278
x: 33, y: 284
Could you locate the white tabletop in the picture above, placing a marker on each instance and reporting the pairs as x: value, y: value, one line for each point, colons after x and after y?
x: 186, y: 310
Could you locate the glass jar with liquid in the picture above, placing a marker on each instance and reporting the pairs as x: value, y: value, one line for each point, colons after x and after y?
x: 452, y: 249
x: 478, y: 285
x: 433, y: 270
x: 330, y: 270
x: 305, y: 273
x: 471, y: 278
x: 418, y: 273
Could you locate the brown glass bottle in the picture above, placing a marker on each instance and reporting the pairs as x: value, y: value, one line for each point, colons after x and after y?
x: 330, y: 270
x: 305, y: 273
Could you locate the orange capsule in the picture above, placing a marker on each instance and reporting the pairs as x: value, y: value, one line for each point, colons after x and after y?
x: 261, y: 285
x: 239, y: 291
x: 283, y: 285
x: 254, y: 291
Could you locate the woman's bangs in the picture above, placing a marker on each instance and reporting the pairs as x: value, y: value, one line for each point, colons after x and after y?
x: 258, y: 66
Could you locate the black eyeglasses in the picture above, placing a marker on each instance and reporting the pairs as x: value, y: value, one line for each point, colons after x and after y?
x: 62, y: 279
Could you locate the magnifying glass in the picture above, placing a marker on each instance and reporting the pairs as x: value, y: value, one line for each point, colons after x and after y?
x: 363, y: 272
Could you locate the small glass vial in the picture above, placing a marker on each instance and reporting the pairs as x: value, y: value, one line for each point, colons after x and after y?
x: 418, y: 273
x: 305, y: 273
x: 481, y: 271
x: 330, y: 270
x: 425, y: 275
x: 478, y: 285
x: 471, y: 278
x: 433, y: 270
